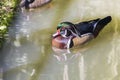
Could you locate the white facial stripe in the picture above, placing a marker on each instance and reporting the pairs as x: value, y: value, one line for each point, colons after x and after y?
x: 64, y: 35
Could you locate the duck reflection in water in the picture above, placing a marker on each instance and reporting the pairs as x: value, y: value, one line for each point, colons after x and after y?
x: 66, y: 55
x: 69, y: 35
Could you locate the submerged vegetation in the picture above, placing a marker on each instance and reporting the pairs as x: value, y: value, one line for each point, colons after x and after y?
x: 7, y: 8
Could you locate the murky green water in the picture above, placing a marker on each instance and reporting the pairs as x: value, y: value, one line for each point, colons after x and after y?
x: 28, y: 54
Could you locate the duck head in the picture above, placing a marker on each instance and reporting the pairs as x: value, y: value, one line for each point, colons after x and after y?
x: 25, y: 3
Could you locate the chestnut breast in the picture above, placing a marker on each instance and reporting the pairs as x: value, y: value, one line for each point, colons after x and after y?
x: 60, y: 42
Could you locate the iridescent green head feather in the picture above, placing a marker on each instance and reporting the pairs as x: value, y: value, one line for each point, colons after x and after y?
x: 60, y: 25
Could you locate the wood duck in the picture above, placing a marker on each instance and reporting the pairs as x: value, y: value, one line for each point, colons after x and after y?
x: 33, y: 3
x: 69, y: 35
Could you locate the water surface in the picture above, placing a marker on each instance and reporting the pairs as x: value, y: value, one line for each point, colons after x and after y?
x: 28, y: 55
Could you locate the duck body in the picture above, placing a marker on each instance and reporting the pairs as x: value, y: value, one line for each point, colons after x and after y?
x: 69, y: 35
x: 33, y: 3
